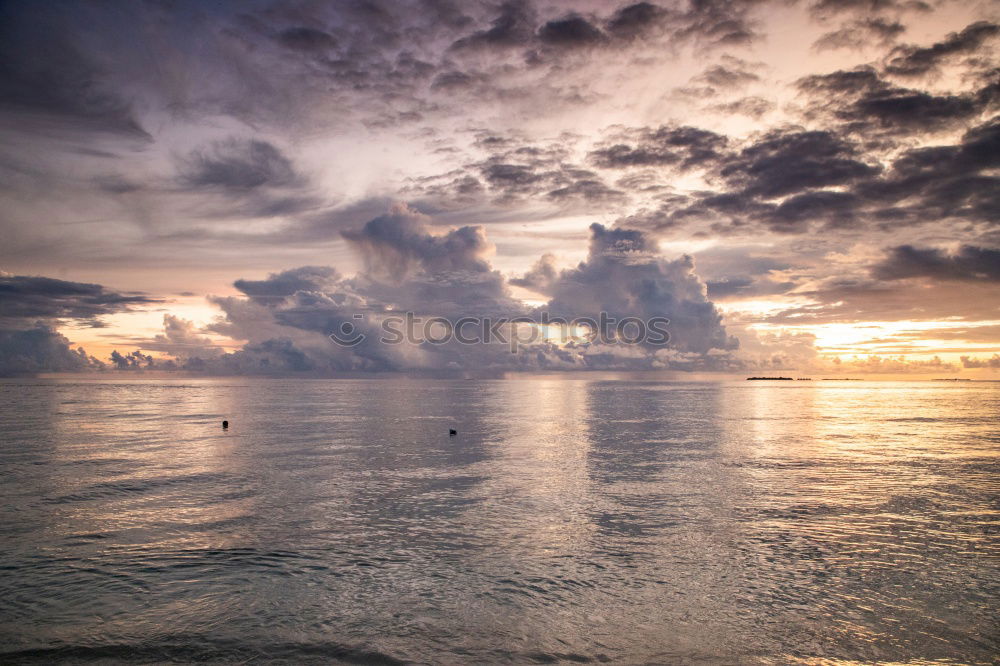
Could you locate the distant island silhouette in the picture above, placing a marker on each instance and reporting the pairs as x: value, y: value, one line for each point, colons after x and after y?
x: 787, y: 379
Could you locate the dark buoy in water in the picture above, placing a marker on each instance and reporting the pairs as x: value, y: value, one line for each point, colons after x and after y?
x: 225, y: 425
x: 452, y: 431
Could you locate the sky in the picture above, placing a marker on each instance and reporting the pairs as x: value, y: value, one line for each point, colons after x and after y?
x: 801, y: 186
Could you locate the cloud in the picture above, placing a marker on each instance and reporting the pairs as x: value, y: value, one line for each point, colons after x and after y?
x: 238, y: 164
x: 900, y: 109
x: 281, y: 285
x: 861, y: 33
x: 307, y: 39
x: 30, y: 309
x: 912, y: 61
x: 572, y: 31
x: 397, y: 245
x: 682, y: 146
x: 865, y: 103
x: 992, y: 362
x: 40, y: 348
x: 132, y: 361
x: 588, y: 188
x: 891, y: 365
x: 624, y: 276
x: 941, y: 182
x: 969, y: 263
x: 847, y: 299
x: 783, y: 162
x: 794, y: 181
x: 408, y: 267
x: 181, y: 338
x: 541, y: 276
x: 49, y: 78
x: 30, y: 298
x: 822, y: 8
x: 733, y: 73
x: 753, y: 107
x: 852, y: 82
x: 513, y: 26
x: 632, y: 21
x: 485, y: 114
x: 718, y: 23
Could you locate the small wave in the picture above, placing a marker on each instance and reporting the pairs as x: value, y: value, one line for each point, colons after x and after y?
x: 188, y: 649
x: 129, y: 487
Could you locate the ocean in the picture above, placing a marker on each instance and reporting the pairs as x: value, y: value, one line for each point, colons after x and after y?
x: 571, y: 519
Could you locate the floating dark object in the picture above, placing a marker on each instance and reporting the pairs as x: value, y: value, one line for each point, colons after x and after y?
x: 225, y: 424
x: 452, y: 431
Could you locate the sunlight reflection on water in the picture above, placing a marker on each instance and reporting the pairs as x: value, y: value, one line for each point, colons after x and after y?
x: 623, y: 521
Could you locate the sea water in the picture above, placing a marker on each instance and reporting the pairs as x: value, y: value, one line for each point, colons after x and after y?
x: 570, y: 519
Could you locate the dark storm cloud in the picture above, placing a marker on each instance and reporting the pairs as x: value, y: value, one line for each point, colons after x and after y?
x: 861, y: 33
x: 452, y: 80
x: 570, y: 32
x: 868, y: 103
x: 792, y: 180
x: 777, y: 164
x: 828, y: 7
x: 516, y: 172
x: 278, y: 286
x: 239, y: 164
x: 903, y: 110
x: 941, y: 182
x: 732, y: 73
x: 25, y: 297
x: 670, y: 214
x: 587, y: 189
x: 633, y: 21
x: 786, y: 161
x: 30, y: 307
x: 834, y: 207
x: 718, y: 22
x: 514, y: 25
x: 51, y: 75
x: 852, y: 82
x: 131, y: 361
x: 306, y: 39
x: 514, y: 177
x: 684, y: 146
x: 712, y: 23
x: 398, y: 244
x: 825, y: 179
x: 40, y: 348
x: 969, y: 263
x: 917, y: 61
